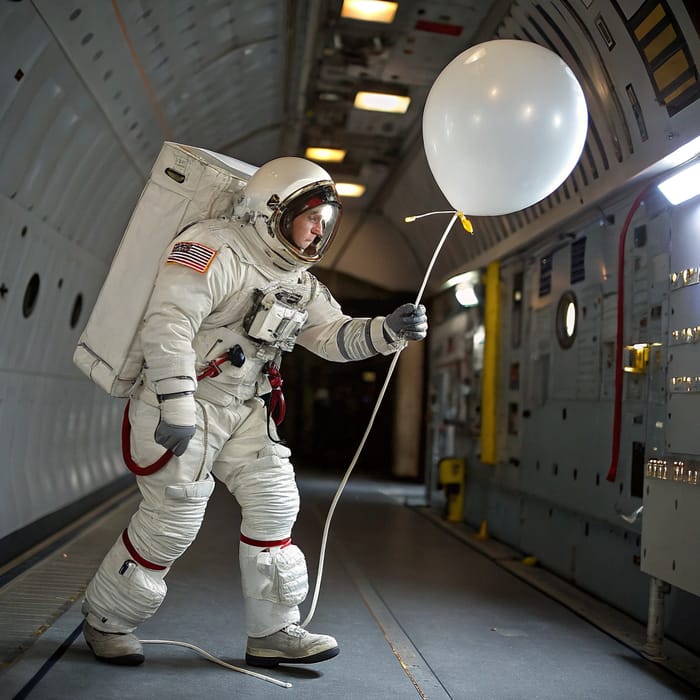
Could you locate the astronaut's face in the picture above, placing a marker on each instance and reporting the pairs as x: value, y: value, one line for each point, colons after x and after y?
x: 307, y: 228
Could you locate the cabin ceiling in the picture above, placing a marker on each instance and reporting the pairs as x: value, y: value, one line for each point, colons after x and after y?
x: 256, y: 79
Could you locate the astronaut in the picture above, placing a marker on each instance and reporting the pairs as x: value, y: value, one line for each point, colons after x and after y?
x: 231, y: 296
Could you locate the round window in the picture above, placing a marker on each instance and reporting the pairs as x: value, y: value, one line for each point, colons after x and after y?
x: 567, y: 319
x: 31, y: 294
x: 75, y: 313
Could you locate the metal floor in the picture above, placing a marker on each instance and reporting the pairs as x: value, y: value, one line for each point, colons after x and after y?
x: 420, y: 610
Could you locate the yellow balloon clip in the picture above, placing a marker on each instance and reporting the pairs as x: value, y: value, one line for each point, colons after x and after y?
x: 466, y: 223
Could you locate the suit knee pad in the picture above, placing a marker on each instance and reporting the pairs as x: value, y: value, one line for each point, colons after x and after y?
x: 275, y: 574
x: 122, y: 594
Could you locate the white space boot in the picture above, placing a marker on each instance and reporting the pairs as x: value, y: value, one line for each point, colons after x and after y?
x: 113, y: 647
x: 291, y: 645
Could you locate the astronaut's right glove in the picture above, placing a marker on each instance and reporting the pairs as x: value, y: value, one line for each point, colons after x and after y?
x: 408, y: 321
x: 178, y: 416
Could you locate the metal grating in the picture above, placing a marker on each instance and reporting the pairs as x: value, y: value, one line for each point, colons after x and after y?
x: 578, y: 261
x: 545, y: 286
x: 34, y: 599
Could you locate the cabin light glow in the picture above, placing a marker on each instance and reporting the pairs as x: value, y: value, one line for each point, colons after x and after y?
x: 464, y: 287
x: 369, y: 10
x: 382, y: 102
x: 637, y: 358
x: 329, y: 155
x: 465, y: 294
x: 463, y: 277
x: 349, y: 189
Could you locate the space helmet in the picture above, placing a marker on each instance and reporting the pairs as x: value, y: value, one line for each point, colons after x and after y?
x: 277, y: 193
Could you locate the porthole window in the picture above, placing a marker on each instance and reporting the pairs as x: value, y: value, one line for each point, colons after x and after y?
x: 31, y: 294
x: 567, y: 319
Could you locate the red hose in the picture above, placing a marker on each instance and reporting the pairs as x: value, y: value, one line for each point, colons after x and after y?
x: 211, y: 371
x: 619, y: 372
x: 126, y: 451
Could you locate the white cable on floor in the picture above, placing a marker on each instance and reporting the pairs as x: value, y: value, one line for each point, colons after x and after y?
x: 336, y: 498
x: 216, y: 660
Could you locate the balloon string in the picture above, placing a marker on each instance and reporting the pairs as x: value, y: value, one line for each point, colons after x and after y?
x: 438, y: 248
x: 466, y: 224
x: 409, y: 219
x: 345, y: 478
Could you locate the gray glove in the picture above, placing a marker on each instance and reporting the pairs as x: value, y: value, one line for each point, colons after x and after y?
x: 408, y: 321
x: 178, y: 415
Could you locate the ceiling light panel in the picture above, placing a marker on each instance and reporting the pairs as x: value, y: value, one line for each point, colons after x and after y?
x: 329, y: 155
x: 369, y: 10
x: 349, y: 189
x: 382, y: 102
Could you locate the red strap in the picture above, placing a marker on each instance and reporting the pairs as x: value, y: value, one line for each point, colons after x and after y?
x: 137, y: 557
x: 278, y: 406
x: 213, y: 369
x: 266, y: 543
x: 126, y: 451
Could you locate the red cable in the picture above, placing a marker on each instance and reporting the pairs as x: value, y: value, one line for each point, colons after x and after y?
x: 619, y: 373
x: 126, y: 451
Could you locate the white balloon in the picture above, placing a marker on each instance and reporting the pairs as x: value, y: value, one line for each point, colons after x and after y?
x: 504, y: 125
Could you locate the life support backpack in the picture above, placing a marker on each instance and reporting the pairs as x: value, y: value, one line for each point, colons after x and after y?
x: 186, y: 185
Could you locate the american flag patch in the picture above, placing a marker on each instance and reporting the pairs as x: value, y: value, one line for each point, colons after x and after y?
x: 191, y: 254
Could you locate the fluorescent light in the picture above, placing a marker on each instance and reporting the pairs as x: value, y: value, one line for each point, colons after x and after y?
x: 369, y: 10
x: 683, y: 185
x: 331, y: 155
x: 382, y: 102
x: 684, y: 154
x: 465, y: 294
x: 349, y: 189
x: 465, y: 287
x: 470, y: 276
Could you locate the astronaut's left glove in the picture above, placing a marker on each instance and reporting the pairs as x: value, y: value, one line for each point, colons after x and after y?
x: 408, y: 321
x: 178, y: 416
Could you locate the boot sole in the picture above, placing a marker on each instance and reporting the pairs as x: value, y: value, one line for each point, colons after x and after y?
x: 271, y: 661
x: 125, y: 660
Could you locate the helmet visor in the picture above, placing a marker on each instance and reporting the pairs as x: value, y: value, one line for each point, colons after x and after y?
x: 309, y: 222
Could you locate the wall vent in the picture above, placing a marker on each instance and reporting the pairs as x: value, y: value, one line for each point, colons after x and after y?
x: 578, y: 260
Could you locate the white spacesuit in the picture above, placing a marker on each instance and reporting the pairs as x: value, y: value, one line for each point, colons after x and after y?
x: 231, y: 297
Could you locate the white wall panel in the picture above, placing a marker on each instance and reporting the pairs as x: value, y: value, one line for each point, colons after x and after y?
x: 89, y: 37
x: 67, y: 187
